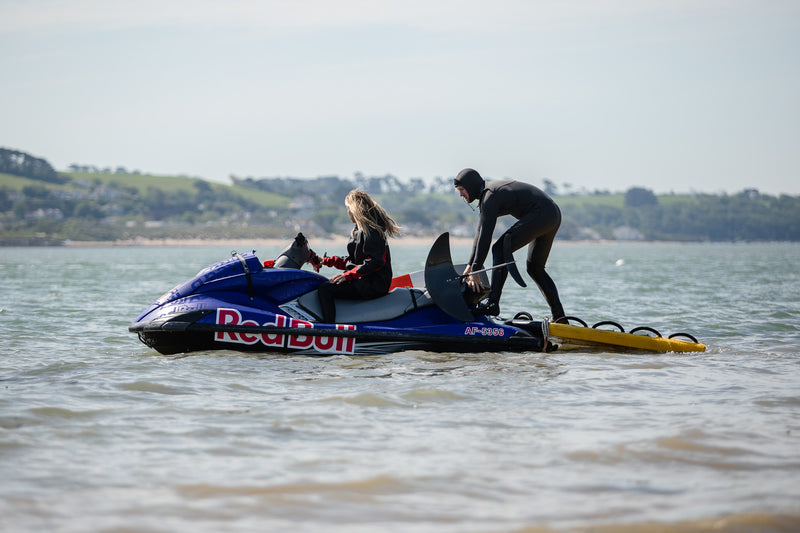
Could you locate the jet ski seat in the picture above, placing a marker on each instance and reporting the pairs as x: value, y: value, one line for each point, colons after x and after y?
x: 395, y: 304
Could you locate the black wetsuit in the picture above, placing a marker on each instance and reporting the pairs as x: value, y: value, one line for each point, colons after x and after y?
x: 538, y: 219
x: 368, y: 272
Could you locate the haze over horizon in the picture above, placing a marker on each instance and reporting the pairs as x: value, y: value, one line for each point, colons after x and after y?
x: 680, y: 95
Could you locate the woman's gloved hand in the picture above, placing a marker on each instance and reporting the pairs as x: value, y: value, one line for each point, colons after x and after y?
x: 315, y: 260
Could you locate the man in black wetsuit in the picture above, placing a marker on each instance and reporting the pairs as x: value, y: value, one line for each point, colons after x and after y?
x: 538, y: 219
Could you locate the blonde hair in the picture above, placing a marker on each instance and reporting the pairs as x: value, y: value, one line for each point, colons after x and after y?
x: 368, y: 215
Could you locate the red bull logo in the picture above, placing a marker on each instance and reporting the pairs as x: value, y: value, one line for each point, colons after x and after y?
x: 326, y: 344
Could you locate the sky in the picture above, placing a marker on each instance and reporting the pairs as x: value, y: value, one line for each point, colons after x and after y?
x: 593, y: 95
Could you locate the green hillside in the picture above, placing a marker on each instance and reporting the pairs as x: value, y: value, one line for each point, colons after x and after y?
x: 40, y: 205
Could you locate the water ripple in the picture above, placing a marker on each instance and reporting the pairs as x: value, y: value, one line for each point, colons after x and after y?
x: 95, y: 427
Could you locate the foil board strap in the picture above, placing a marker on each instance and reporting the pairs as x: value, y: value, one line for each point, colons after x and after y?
x: 618, y: 338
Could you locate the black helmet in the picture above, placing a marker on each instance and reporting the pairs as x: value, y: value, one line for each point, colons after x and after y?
x: 471, y: 181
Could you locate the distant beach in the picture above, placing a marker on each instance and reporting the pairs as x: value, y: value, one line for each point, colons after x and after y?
x: 313, y: 241
x: 244, y: 243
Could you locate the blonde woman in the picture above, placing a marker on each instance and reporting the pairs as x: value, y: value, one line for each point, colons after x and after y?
x: 367, y: 266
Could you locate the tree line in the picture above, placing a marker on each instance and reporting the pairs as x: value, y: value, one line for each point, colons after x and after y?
x: 745, y: 216
x: 96, y: 206
x: 21, y: 164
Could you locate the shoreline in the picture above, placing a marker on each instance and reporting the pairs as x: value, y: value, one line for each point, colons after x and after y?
x: 318, y: 242
x: 269, y: 242
x: 314, y: 242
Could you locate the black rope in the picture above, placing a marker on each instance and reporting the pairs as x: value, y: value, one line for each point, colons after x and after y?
x: 250, y: 292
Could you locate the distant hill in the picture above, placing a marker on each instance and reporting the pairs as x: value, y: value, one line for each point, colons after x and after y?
x: 40, y: 205
x: 25, y: 165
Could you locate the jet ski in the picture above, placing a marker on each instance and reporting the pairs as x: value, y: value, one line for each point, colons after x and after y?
x: 243, y: 304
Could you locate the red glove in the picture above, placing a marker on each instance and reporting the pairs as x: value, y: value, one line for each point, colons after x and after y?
x: 335, y: 262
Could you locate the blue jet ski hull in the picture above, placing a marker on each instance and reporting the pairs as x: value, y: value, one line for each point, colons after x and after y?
x: 238, y: 304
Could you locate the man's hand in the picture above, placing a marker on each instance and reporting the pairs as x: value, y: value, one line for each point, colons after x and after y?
x: 474, y: 280
x: 337, y: 279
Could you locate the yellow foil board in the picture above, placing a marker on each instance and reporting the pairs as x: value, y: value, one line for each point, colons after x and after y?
x: 617, y: 338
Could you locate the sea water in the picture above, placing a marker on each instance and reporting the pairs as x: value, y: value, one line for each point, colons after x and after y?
x: 100, y: 433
